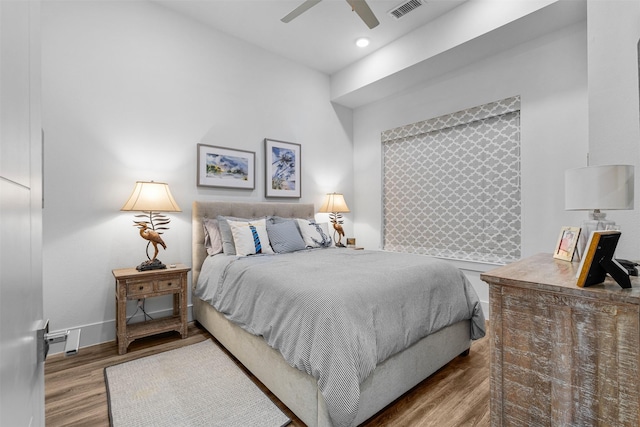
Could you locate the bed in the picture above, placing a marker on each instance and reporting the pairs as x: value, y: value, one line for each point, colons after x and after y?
x: 302, y: 385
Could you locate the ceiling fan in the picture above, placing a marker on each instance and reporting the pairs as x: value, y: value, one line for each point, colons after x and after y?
x: 358, y: 6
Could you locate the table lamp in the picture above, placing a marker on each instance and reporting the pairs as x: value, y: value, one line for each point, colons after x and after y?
x: 335, y: 205
x: 597, y: 188
x: 151, y: 198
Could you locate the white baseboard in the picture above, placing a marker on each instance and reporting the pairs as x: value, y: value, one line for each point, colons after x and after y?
x: 98, y: 333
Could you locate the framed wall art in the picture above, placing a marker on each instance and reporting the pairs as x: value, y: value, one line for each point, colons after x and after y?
x: 282, y: 167
x: 226, y: 167
x: 567, y: 241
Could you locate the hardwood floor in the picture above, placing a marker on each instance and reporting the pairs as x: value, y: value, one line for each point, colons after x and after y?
x: 456, y: 395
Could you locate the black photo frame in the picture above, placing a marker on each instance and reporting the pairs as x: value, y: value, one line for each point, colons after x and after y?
x: 598, y: 260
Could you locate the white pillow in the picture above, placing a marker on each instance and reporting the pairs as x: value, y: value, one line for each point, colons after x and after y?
x: 243, y: 237
x: 314, y: 235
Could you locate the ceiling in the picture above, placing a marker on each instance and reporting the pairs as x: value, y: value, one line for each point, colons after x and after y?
x: 322, y: 38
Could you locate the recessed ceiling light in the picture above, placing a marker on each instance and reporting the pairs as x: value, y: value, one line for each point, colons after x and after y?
x: 362, y: 42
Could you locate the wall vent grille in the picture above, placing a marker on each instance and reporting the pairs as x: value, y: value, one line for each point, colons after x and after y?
x: 405, y: 8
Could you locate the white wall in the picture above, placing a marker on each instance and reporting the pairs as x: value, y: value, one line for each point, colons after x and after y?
x: 549, y: 73
x: 614, y: 106
x: 129, y: 89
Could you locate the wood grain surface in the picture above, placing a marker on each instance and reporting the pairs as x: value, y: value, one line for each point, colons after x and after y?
x: 562, y: 355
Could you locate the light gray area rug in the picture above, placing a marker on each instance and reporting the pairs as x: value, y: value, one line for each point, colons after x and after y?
x: 197, y: 385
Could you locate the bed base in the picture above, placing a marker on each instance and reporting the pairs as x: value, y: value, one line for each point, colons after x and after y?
x: 296, y: 389
x: 299, y: 391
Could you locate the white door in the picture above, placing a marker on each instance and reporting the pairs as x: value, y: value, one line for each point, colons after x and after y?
x: 21, y: 375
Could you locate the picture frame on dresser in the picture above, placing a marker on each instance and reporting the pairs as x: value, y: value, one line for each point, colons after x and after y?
x: 226, y: 167
x: 282, y: 169
x: 567, y: 241
x: 598, y: 260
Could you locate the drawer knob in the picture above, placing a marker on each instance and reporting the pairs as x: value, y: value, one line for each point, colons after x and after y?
x: 141, y: 288
x: 169, y: 284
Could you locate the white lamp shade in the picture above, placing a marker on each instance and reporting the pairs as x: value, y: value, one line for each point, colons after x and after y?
x: 333, y: 203
x: 151, y: 197
x: 607, y: 187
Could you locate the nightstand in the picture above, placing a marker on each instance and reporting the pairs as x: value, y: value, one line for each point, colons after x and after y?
x: 132, y: 284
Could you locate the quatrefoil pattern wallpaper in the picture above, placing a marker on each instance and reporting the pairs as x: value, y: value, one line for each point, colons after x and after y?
x: 452, y: 185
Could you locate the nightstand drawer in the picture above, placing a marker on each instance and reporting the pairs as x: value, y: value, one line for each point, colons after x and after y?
x: 170, y: 283
x: 139, y: 287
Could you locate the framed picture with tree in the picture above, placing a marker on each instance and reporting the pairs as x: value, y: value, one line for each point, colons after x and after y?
x: 282, y: 166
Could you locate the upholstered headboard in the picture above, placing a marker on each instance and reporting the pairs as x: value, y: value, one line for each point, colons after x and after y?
x: 203, y: 209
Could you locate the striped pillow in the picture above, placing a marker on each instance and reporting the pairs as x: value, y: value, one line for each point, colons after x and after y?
x: 284, y: 236
x: 250, y: 237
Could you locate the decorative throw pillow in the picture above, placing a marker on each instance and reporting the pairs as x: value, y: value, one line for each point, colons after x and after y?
x: 250, y: 237
x: 273, y: 219
x: 212, y: 238
x: 284, y: 236
x: 314, y: 235
x: 228, y: 246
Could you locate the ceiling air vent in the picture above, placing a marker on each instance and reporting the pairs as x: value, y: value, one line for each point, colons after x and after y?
x: 405, y: 8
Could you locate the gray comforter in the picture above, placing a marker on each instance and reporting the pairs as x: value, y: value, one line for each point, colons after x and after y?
x: 337, y: 313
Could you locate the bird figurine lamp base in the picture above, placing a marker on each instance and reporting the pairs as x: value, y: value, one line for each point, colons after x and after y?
x: 151, y: 264
x: 336, y: 220
x: 150, y: 230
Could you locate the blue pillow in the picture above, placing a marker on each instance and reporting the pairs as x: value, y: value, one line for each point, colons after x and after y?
x: 284, y: 237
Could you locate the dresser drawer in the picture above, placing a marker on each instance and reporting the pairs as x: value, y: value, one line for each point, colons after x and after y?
x: 169, y: 283
x: 138, y: 287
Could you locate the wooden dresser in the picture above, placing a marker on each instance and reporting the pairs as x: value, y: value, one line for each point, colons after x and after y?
x: 562, y: 355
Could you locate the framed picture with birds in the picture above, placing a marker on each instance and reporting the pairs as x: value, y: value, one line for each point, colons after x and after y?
x: 282, y: 166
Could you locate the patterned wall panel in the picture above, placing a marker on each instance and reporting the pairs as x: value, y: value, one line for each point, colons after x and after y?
x: 452, y: 185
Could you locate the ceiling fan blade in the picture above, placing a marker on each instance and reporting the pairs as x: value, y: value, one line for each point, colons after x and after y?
x: 364, y: 12
x: 308, y: 4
